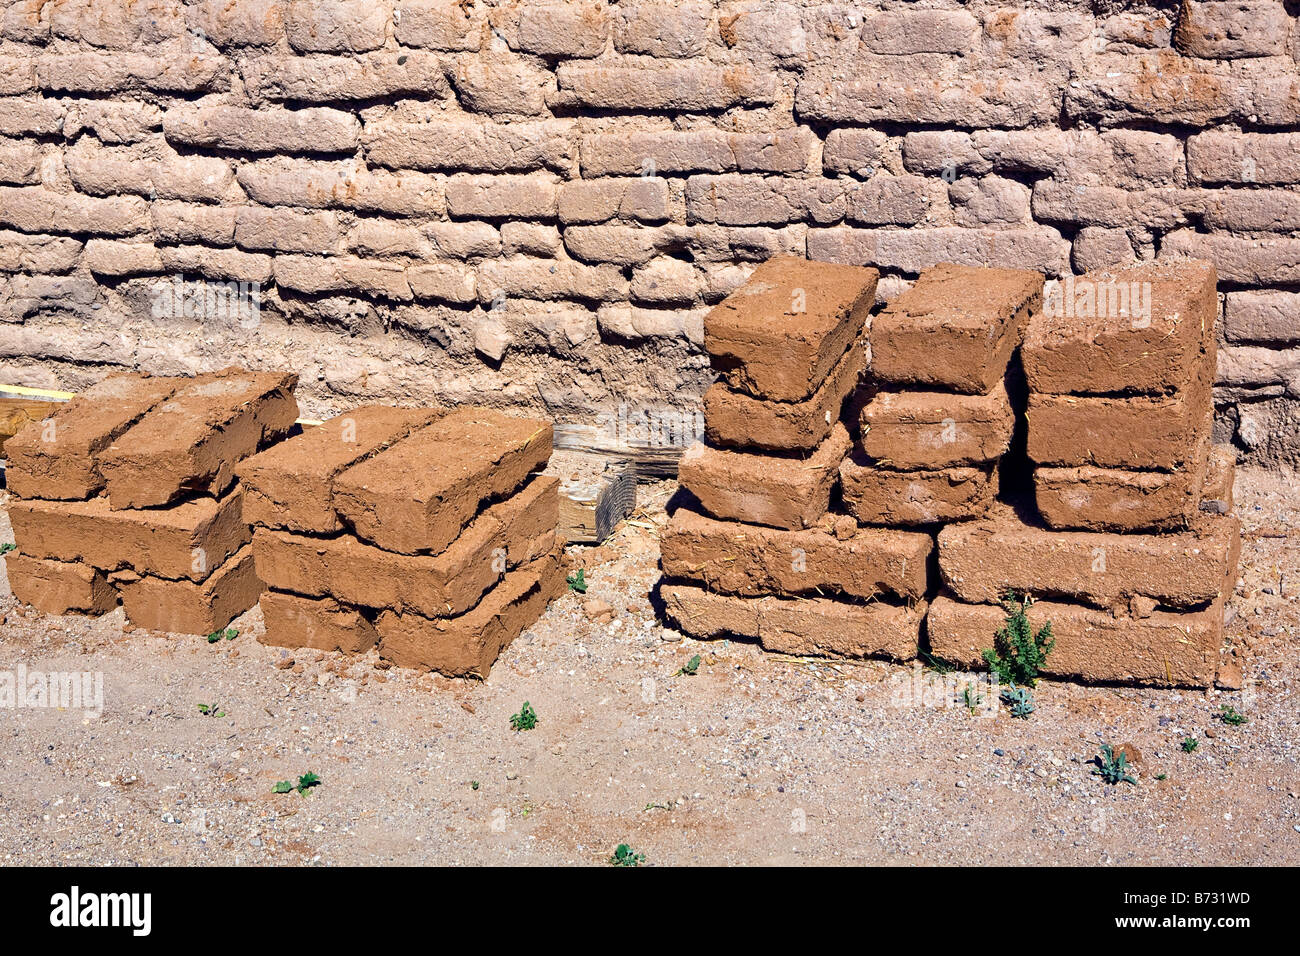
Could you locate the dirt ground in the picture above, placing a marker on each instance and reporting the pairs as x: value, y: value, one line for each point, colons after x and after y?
x: 755, y: 759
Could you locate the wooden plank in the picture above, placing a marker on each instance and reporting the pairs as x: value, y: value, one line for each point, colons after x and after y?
x: 649, y: 462
x: 596, y: 493
x: 17, y: 413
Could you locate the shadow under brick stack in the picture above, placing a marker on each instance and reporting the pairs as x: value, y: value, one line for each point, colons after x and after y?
x: 1131, y: 543
x: 761, y: 553
x: 933, y: 437
x: 425, y: 532
x: 129, y: 492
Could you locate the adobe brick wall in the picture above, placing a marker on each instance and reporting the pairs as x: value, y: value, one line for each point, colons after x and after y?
x: 532, y: 204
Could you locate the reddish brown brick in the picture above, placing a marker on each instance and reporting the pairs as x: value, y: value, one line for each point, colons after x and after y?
x: 1220, y: 476
x: 752, y: 560
x: 1108, y: 347
x: 779, y: 335
x: 981, y: 559
x: 416, y: 496
x: 59, y: 587
x: 955, y: 328
x: 504, y: 536
x: 737, y: 420
x: 471, y: 642
x: 1167, y: 648
x: 763, y: 489
x: 184, y: 607
x: 58, y: 457
x: 816, y: 626
x: 291, y: 485
x: 931, y: 430
x: 881, y: 496
x: 192, y: 442
x: 320, y: 623
x: 190, y: 540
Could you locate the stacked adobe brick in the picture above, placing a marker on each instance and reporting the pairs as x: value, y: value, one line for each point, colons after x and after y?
x: 761, y: 552
x: 129, y: 492
x: 1133, y: 572
x: 427, y: 533
x: 931, y: 441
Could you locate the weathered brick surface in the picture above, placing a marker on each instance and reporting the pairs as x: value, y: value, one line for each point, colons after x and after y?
x: 59, y: 587
x: 187, y: 607
x: 930, y: 430
x: 881, y: 496
x: 447, y: 136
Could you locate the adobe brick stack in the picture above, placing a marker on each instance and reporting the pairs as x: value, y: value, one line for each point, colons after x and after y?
x: 760, y: 553
x: 1133, y: 575
x: 932, y: 439
x: 1120, y: 374
x: 128, y: 493
x: 428, y: 534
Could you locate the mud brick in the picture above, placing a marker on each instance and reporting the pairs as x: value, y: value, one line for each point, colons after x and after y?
x: 58, y: 458
x: 780, y: 334
x: 736, y: 420
x: 1168, y: 648
x: 59, y: 587
x: 933, y: 430
x: 981, y: 559
x: 1111, y: 499
x: 185, y: 607
x: 1115, y: 352
x: 319, y: 623
x: 881, y: 496
x: 818, y: 626
x: 955, y: 328
x: 1139, y: 432
x: 762, y: 489
x: 291, y: 485
x: 751, y: 560
x: 417, y: 495
x: 192, y: 442
x: 506, y: 535
x: 190, y: 540
x: 1220, y: 476
x: 471, y: 642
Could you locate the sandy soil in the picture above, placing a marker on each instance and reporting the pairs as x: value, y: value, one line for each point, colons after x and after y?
x: 756, y: 759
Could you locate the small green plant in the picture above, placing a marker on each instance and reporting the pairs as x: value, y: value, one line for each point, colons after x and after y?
x: 305, y: 783
x: 6, y: 547
x: 1229, y: 715
x: 526, y: 719
x: 690, y: 668
x: 1112, y: 767
x: 624, y: 855
x: 936, y: 664
x: 211, y: 710
x: 1017, y: 652
x: 971, y: 698
x: 1162, y: 776
x: 473, y: 784
x: 1019, y: 700
x: 228, y: 634
x: 577, y: 582
x: 1189, y: 745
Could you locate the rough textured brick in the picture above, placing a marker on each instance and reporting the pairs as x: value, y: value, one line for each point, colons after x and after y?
x: 789, y: 493
x: 980, y: 560
x: 705, y: 151
x: 328, y: 25
x: 322, y: 624
x: 322, y: 79
x: 1262, y: 317
x: 59, y: 587
x: 19, y: 163
x: 751, y: 560
x: 186, y: 607
x: 1223, y: 29
x: 111, y: 24
x: 344, y: 185
x: 1243, y: 158
x: 110, y: 257
x: 544, y: 279
x: 459, y: 146
x: 664, y: 88
x: 22, y: 253
x: 36, y: 209
x: 857, y: 151
x: 268, y: 130
x: 238, y: 22
x: 816, y: 626
x: 576, y: 29
x: 184, y: 222
x: 881, y: 496
x: 313, y: 275
x: 110, y: 172
x: 170, y: 68
x: 931, y: 430
x: 598, y: 200
x: 663, y: 29
x: 502, y: 86
x: 902, y: 32
x: 1167, y: 648
x: 1237, y: 259
x: 283, y: 230
x: 438, y: 24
